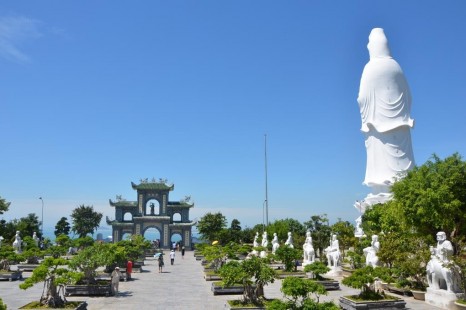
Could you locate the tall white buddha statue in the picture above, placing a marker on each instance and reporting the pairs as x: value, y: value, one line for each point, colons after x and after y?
x: 385, y: 105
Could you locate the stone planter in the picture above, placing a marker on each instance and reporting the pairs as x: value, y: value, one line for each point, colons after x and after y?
x: 329, y: 284
x: 89, y: 289
x: 460, y: 305
x: 299, y: 274
x: 399, y: 291
x: 81, y: 306
x: 27, y: 267
x: 419, y: 295
x: 228, y: 306
x: 218, y: 289
x: 348, y: 304
x: 212, y: 277
x: 11, y: 275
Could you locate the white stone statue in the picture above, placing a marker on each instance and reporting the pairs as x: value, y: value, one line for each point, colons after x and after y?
x: 439, y: 276
x: 256, y: 240
x: 371, y: 252
x: 35, y: 238
x: 385, y: 105
x: 17, y: 243
x: 265, y: 242
x: 333, y: 252
x: 1, y: 239
x: 308, y: 250
x: 275, y: 243
x: 289, y: 241
x: 358, y: 231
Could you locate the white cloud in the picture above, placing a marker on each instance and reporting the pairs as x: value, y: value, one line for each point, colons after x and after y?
x: 14, y: 32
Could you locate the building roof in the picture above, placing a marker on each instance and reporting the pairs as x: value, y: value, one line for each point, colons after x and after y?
x: 179, y: 204
x: 160, y: 186
x: 123, y: 203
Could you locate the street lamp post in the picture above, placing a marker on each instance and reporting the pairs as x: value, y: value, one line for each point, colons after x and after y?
x: 42, y: 221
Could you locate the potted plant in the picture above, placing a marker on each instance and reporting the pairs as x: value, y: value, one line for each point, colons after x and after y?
x: 86, y: 262
x: 7, y: 257
x: 288, y: 256
x: 253, y: 274
x: 315, y: 270
x: 54, y: 274
x: 364, y: 279
x: 298, y: 292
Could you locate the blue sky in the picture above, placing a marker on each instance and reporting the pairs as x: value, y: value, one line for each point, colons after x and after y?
x: 95, y: 95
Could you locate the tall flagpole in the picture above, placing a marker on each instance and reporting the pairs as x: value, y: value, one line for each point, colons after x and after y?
x: 266, y: 189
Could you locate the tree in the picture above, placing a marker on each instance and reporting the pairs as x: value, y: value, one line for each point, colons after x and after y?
x: 253, y: 273
x: 282, y: 227
x: 288, y: 256
x: 54, y: 274
x: 4, y: 205
x: 210, y: 225
x: 62, y: 227
x: 320, y: 231
x: 85, y: 220
x: 235, y: 231
x: 345, y: 232
x: 432, y: 197
x: 26, y: 225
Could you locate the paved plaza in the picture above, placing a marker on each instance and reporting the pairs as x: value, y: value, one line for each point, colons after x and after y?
x: 181, y: 286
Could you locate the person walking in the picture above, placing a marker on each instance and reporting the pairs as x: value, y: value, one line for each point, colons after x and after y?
x: 182, y: 252
x: 172, y: 257
x: 160, y: 259
x: 116, y: 276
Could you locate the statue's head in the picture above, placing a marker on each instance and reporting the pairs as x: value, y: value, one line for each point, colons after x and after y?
x: 441, y: 236
x: 378, y: 44
x: 375, y: 238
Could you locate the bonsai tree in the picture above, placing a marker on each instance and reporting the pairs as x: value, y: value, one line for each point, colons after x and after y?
x: 54, y: 274
x: 364, y: 279
x: 253, y: 274
x: 317, y: 268
x: 218, y: 254
x: 288, y: 256
x: 90, y: 258
x: 298, y: 292
x: 134, y: 248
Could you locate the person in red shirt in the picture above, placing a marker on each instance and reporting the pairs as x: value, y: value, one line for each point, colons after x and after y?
x: 129, y: 269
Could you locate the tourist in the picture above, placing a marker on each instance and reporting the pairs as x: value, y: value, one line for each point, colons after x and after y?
x: 172, y: 257
x: 129, y: 270
x: 160, y: 259
x: 182, y: 252
x: 116, y: 276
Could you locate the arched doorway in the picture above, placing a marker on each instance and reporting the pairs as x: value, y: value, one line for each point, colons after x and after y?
x: 176, y: 238
x: 177, y: 218
x: 152, y: 207
x: 128, y: 217
x: 152, y: 234
x: 126, y: 236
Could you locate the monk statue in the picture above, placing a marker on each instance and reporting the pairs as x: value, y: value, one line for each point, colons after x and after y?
x: 371, y: 252
x: 439, y: 273
x: 275, y: 243
x: 289, y: 241
x: 17, y: 243
x: 35, y: 238
x: 333, y: 253
x: 308, y: 250
x: 385, y: 105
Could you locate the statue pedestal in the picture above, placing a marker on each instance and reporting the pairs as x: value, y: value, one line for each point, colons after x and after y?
x: 442, y: 298
x: 334, y: 272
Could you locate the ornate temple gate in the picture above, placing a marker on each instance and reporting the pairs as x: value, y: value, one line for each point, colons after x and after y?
x: 153, y: 209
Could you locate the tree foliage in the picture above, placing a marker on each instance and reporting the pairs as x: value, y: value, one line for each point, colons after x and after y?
x: 210, y: 225
x: 432, y: 197
x: 320, y: 231
x: 253, y: 273
x: 85, y: 220
x: 62, y: 227
x: 4, y: 205
x: 345, y: 232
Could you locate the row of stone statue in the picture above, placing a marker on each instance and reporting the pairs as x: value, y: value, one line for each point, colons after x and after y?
x: 332, y: 251
x: 17, y: 244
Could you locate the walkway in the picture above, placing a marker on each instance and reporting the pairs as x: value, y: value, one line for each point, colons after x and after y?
x: 181, y: 286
